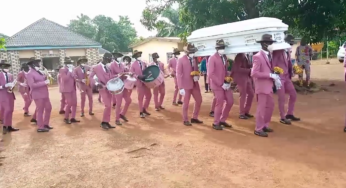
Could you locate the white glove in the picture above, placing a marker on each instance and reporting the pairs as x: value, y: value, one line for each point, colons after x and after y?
x: 83, y: 80
x: 226, y: 86
x: 23, y: 84
x: 9, y: 85
x: 47, y: 81
x: 88, y: 72
x: 195, y: 78
x: 274, y: 76
x: 70, y: 69
x: 278, y: 84
x: 182, y: 92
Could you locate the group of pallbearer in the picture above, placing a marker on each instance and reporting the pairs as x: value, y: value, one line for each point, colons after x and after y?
x: 269, y: 72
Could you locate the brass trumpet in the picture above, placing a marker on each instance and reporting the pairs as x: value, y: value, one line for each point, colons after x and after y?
x: 10, y: 90
x: 49, y: 76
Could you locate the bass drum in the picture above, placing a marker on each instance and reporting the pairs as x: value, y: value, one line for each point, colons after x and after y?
x: 154, y: 76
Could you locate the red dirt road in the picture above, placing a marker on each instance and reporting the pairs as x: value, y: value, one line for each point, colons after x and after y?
x: 161, y: 152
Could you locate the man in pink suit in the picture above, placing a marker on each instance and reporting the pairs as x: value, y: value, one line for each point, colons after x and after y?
x: 63, y: 100
x: 68, y: 89
x: 282, y: 59
x: 160, y: 90
x: 137, y: 68
x: 38, y: 84
x: 81, y: 75
x: 118, y: 69
x: 24, y: 89
x: 103, y: 75
x: 188, y: 85
x: 172, y: 67
x: 6, y: 98
x: 217, y: 72
x: 241, y: 71
x: 264, y: 78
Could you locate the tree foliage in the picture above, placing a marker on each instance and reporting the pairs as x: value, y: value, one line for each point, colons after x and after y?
x: 113, y: 35
x: 2, y: 40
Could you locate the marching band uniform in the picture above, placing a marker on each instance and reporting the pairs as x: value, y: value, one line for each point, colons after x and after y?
x: 119, y: 68
x: 127, y: 64
x: 159, y: 90
x: 137, y: 68
x: 217, y: 72
x: 212, y: 110
x: 241, y: 71
x: 187, y: 85
x: 6, y: 98
x: 38, y: 84
x: 263, y: 79
x: 24, y: 89
x: 81, y: 74
x: 103, y: 75
x: 68, y: 88
x: 63, y: 100
x: 172, y: 64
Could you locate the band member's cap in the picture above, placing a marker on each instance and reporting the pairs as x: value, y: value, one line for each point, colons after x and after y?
x: 155, y: 55
x: 190, y: 48
x: 83, y: 58
x: 176, y: 51
x: 33, y: 60
x: 289, y: 39
x: 4, y: 63
x: 266, y: 38
x: 127, y: 57
x: 136, y: 53
x: 107, y: 56
x: 220, y: 43
x: 117, y: 54
x: 68, y: 60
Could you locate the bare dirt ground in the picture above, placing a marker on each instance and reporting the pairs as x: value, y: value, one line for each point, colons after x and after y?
x: 161, y: 152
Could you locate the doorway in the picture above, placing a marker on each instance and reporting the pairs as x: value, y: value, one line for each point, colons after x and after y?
x: 50, y: 63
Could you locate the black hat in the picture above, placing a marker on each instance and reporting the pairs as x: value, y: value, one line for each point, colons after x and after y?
x: 68, y: 60
x: 107, y: 55
x: 176, y: 51
x: 190, y: 48
x: 127, y: 57
x: 220, y: 44
x: 266, y: 38
x: 3, y: 63
x: 83, y: 58
x: 136, y: 53
x: 117, y: 54
x: 33, y: 60
x: 155, y: 55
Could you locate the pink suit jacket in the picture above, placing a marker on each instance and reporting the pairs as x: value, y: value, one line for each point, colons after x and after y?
x: 102, y: 76
x: 21, y: 78
x: 184, y: 69
x: 172, y: 65
x: 137, y: 71
x: 161, y: 66
x: 79, y: 75
x: 217, y: 71
x: 4, y: 94
x: 283, y: 60
x: 117, y: 68
x: 68, y: 83
x: 261, y: 73
x: 38, y: 87
x: 241, y: 68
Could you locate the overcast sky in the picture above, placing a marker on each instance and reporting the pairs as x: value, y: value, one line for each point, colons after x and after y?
x: 13, y: 19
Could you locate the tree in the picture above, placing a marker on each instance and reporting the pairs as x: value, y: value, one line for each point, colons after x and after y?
x: 113, y: 35
x: 2, y: 41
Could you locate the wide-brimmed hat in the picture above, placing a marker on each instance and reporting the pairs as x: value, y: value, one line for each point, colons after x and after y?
x: 266, y: 38
x: 155, y: 55
x: 117, y: 54
x: 289, y: 39
x: 83, y: 58
x: 33, y: 60
x: 68, y: 60
x: 4, y: 63
x: 127, y: 57
x: 136, y: 52
x: 220, y: 43
x: 190, y: 48
x: 107, y: 56
x: 176, y: 51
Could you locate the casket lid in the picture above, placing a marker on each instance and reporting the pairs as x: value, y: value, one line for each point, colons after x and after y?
x: 237, y: 27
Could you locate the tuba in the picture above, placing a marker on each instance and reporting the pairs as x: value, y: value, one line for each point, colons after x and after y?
x: 10, y: 90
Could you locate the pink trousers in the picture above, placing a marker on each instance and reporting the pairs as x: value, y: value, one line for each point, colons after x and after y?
x: 176, y: 91
x: 7, y: 108
x: 126, y: 95
x: 160, y: 90
x: 224, y: 103
x: 71, y: 100
x: 246, y: 94
x: 87, y: 92
x: 143, y: 91
x: 287, y: 87
x: 213, y: 104
x: 196, y: 94
x: 62, y: 102
x: 107, y: 101
x: 27, y: 101
x: 265, y: 108
x: 43, y: 112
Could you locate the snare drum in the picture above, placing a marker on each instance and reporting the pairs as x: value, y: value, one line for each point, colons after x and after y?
x: 115, y: 86
x: 130, y: 82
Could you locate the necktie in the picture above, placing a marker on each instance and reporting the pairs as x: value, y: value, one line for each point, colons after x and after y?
x: 6, y: 76
x: 190, y: 59
x: 223, y: 60
x: 270, y: 58
x: 106, y: 69
x: 140, y: 64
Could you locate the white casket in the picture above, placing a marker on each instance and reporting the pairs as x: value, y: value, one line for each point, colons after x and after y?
x: 240, y: 36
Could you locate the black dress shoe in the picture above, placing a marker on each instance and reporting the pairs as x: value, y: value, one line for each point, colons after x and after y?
x: 146, y: 112
x: 11, y: 129
x: 104, y: 125
x: 285, y: 121
x: 26, y: 114
x: 211, y: 114
x: 180, y: 102
x: 175, y: 104
x: 261, y: 133
x: 187, y: 123
x: 91, y: 113
x: 217, y: 127
x: 249, y: 115
x: 73, y: 120
x: 48, y: 127
x: 292, y: 118
x: 110, y: 126
x: 142, y: 115
x: 124, y: 118
x: 345, y: 129
x: 62, y: 112
x: 196, y: 121
x: 82, y: 115
x: 33, y: 121
x: 67, y: 121
x: 162, y: 108
x: 243, y: 117
x: 225, y: 124
x: 42, y: 130
x: 268, y: 130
